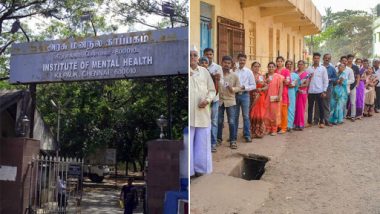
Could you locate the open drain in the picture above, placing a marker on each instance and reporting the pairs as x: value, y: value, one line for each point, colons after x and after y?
x: 252, y: 167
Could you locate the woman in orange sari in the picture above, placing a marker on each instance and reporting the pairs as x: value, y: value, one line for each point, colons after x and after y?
x: 258, y: 97
x: 273, y: 99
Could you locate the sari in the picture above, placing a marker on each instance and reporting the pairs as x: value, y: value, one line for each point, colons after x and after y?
x: 285, y: 73
x: 370, y: 96
x: 338, y: 100
x: 272, y: 115
x: 257, y: 111
x: 301, y: 99
x: 360, y: 94
x: 292, y: 93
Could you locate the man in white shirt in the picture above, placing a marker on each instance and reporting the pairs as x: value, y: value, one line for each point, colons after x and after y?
x: 61, y: 189
x: 317, y: 90
x: 216, y: 74
x: 202, y: 92
x: 376, y: 69
x: 247, y: 84
x: 351, y: 79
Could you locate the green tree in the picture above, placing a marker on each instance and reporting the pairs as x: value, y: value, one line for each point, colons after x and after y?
x: 345, y: 32
x: 140, y: 11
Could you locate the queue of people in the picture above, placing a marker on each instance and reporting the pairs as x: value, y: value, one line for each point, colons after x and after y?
x: 274, y: 101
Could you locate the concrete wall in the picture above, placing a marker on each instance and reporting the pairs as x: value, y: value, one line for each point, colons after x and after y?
x: 7, y: 125
x: 376, y: 38
x: 43, y: 133
x: 234, y: 10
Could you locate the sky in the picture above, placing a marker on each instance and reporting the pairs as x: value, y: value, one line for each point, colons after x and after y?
x: 340, y: 5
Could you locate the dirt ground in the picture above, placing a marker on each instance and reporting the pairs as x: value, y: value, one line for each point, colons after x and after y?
x: 330, y: 170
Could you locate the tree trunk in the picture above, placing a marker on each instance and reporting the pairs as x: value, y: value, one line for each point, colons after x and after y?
x: 126, y: 167
x: 142, y: 164
x: 134, y: 166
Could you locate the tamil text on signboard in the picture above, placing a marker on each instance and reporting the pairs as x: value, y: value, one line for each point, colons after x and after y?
x: 139, y: 54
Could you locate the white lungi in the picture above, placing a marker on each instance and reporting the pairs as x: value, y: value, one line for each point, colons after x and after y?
x: 200, y: 150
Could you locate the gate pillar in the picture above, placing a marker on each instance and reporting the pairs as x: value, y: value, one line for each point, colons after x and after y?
x: 163, y: 172
x: 15, y: 171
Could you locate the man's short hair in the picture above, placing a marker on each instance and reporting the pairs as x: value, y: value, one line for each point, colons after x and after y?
x: 350, y: 56
x: 316, y: 54
x: 226, y: 58
x: 208, y: 50
x: 242, y: 55
x: 279, y: 57
x: 343, y: 57
x: 365, y: 60
x: 324, y: 55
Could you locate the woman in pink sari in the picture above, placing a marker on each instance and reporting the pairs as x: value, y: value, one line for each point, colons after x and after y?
x: 273, y: 99
x: 299, y: 119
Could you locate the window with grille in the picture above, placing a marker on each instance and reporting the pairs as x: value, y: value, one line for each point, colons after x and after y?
x: 278, y: 42
x: 287, y: 46
x: 300, y: 49
x: 252, y: 41
x: 230, y: 38
x: 294, y: 49
x: 270, y: 44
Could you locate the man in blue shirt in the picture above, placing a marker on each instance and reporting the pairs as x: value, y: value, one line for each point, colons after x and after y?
x: 326, y: 100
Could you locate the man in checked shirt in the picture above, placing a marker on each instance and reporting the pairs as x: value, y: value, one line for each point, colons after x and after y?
x: 216, y: 74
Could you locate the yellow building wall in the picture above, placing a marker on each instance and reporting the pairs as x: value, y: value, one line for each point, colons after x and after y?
x: 231, y: 9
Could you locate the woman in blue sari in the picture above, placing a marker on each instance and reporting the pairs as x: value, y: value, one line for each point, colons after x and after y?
x: 339, y: 97
x: 292, y: 93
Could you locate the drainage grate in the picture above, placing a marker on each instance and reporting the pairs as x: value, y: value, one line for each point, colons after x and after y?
x: 252, y: 167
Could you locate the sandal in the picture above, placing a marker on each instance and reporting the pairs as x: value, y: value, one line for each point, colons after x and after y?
x: 213, y: 148
x: 219, y: 142
x: 233, y: 145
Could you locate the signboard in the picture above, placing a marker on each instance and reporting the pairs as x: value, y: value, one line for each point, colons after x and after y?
x: 116, y: 56
x: 8, y: 173
x: 75, y: 170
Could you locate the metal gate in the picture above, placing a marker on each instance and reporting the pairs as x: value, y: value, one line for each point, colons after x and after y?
x: 55, y: 185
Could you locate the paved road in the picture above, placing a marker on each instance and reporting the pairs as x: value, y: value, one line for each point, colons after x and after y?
x: 103, y: 198
x: 331, y: 170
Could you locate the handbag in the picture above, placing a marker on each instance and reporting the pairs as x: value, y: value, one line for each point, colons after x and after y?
x: 273, y: 99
